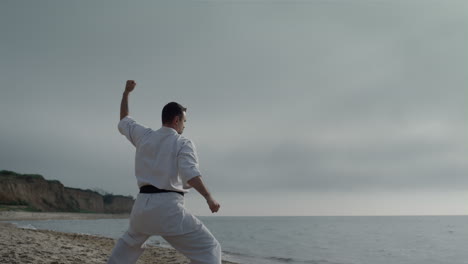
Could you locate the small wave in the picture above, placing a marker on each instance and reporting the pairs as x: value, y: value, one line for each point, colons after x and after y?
x: 286, y: 260
x: 278, y: 259
x: 28, y: 226
x: 85, y: 234
x: 293, y: 260
x: 236, y: 253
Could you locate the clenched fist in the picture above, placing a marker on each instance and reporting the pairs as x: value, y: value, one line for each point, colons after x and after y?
x: 213, y: 204
x: 130, y: 86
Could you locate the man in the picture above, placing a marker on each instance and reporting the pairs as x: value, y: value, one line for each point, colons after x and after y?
x: 166, y: 166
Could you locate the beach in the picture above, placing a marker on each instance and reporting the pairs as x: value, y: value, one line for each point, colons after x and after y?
x: 20, y: 245
x: 22, y: 215
x: 256, y: 240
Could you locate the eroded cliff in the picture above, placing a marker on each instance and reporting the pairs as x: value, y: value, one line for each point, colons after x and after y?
x: 50, y: 195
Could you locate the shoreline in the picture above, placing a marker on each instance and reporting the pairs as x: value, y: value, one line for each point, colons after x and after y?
x: 22, y: 245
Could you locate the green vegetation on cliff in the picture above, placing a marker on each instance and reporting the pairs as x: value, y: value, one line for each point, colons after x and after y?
x: 5, y: 174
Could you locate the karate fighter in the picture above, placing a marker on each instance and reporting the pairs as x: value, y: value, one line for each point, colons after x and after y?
x: 166, y: 166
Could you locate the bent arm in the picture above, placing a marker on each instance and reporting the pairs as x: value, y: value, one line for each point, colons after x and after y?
x: 129, y: 86
x: 124, y: 105
x: 197, y: 183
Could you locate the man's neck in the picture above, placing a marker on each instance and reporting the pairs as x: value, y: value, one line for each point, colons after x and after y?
x: 169, y: 126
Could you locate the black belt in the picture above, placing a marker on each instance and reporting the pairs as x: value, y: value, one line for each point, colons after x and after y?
x: 153, y: 189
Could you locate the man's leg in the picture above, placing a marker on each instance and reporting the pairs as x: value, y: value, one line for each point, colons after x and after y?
x: 200, y: 246
x: 128, y: 249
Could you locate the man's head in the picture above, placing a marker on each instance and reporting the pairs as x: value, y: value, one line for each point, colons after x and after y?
x: 173, y: 116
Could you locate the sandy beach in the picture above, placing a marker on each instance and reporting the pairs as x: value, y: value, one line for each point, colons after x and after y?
x: 18, y: 245
x: 20, y: 215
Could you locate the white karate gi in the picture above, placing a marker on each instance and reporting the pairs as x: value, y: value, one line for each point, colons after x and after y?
x: 166, y: 160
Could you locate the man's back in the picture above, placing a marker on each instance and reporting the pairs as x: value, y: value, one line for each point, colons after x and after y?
x: 163, y: 158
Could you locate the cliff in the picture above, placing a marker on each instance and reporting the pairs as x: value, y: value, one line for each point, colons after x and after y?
x: 37, y: 193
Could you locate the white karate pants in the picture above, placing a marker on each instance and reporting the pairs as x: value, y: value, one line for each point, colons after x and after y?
x: 164, y: 214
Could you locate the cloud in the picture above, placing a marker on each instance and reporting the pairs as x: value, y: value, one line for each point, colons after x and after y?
x: 317, y: 97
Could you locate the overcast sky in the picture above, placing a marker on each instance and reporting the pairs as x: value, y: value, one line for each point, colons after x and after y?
x: 296, y: 108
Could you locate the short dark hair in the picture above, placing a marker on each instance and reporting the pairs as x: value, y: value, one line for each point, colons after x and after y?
x: 172, y: 110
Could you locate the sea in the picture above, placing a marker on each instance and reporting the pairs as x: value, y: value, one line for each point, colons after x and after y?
x: 314, y: 239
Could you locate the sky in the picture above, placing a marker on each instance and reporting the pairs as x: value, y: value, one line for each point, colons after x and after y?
x: 296, y: 107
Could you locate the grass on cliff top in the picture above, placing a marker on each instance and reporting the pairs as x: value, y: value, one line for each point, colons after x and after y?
x: 15, y: 175
x: 5, y: 175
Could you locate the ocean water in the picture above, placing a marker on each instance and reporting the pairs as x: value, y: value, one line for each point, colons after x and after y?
x: 315, y: 239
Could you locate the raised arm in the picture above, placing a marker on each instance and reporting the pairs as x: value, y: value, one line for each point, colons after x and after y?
x: 129, y: 86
